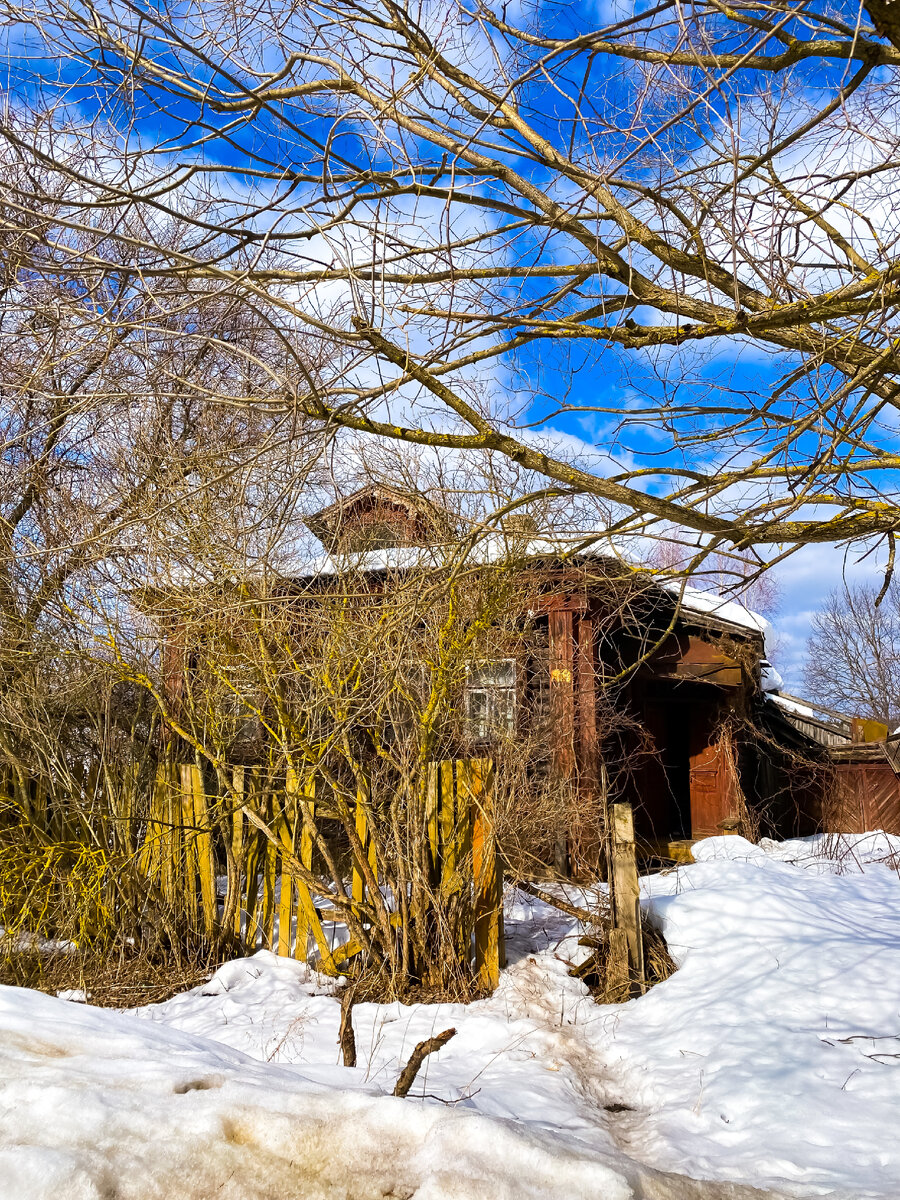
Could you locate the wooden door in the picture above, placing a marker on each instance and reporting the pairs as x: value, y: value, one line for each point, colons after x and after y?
x: 713, y: 787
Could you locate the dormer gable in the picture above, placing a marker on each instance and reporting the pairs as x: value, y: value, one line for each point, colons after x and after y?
x: 378, y: 517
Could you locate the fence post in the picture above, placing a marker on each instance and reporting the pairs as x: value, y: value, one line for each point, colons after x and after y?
x: 189, y: 859
x: 270, y: 867
x: 252, y: 860
x: 458, y: 855
x: 433, y: 823
x: 237, y: 850
x: 304, y: 901
x: 358, y: 881
x: 487, y: 876
x: 626, y: 890
x: 205, y: 860
x: 285, y: 826
x: 165, y: 799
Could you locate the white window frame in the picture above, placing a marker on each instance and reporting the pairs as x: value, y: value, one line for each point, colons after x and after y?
x: 498, y: 709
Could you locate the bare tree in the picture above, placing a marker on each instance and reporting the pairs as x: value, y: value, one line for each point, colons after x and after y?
x: 474, y: 207
x: 853, y: 654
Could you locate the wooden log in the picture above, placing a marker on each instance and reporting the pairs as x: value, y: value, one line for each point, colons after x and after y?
x: 626, y: 889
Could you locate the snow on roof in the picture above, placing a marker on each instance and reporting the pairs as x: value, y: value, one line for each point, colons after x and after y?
x: 496, y: 546
x: 492, y: 548
x: 714, y: 605
x: 794, y: 706
x: 770, y: 679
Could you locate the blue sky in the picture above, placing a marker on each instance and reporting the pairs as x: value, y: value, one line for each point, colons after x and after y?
x: 587, y: 375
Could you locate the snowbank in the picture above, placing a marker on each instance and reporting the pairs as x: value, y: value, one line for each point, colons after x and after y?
x: 165, y: 1103
x: 773, y: 1053
x: 100, y: 1104
x: 771, y: 1058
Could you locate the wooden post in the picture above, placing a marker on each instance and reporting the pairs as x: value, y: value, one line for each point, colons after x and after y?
x: 626, y: 890
x: 562, y: 714
x: 487, y: 876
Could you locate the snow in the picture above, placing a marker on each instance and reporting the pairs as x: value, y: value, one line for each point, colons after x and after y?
x: 769, y: 1060
x: 712, y: 604
x: 100, y: 1104
x: 794, y: 706
x: 492, y: 547
x: 770, y: 680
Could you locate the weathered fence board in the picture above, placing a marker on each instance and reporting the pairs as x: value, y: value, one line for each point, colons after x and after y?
x: 626, y: 891
x: 181, y: 834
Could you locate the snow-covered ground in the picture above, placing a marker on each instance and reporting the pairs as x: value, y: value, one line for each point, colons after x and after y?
x: 770, y: 1060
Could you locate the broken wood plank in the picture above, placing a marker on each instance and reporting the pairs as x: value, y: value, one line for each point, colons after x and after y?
x: 626, y: 889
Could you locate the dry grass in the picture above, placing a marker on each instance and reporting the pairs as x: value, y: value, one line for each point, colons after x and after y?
x: 607, y: 976
x: 111, y: 981
x: 71, y: 923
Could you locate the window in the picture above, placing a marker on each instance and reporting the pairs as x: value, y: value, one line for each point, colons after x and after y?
x: 491, y: 700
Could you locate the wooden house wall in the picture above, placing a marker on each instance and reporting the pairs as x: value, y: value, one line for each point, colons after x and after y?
x: 868, y: 797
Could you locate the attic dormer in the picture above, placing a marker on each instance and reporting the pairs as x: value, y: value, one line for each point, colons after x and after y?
x: 377, y: 518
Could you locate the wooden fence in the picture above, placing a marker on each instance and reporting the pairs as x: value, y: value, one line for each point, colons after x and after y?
x: 177, y: 837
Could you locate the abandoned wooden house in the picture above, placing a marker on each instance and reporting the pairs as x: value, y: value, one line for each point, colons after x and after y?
x: 632, y: 688
x: 610, y: 689
x: 700, y: 750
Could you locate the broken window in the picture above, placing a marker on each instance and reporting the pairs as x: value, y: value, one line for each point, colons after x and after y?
x: 490, y: 701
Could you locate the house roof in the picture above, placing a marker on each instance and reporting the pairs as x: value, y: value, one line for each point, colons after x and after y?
x: 702, y: 608
x: 326, y: 524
